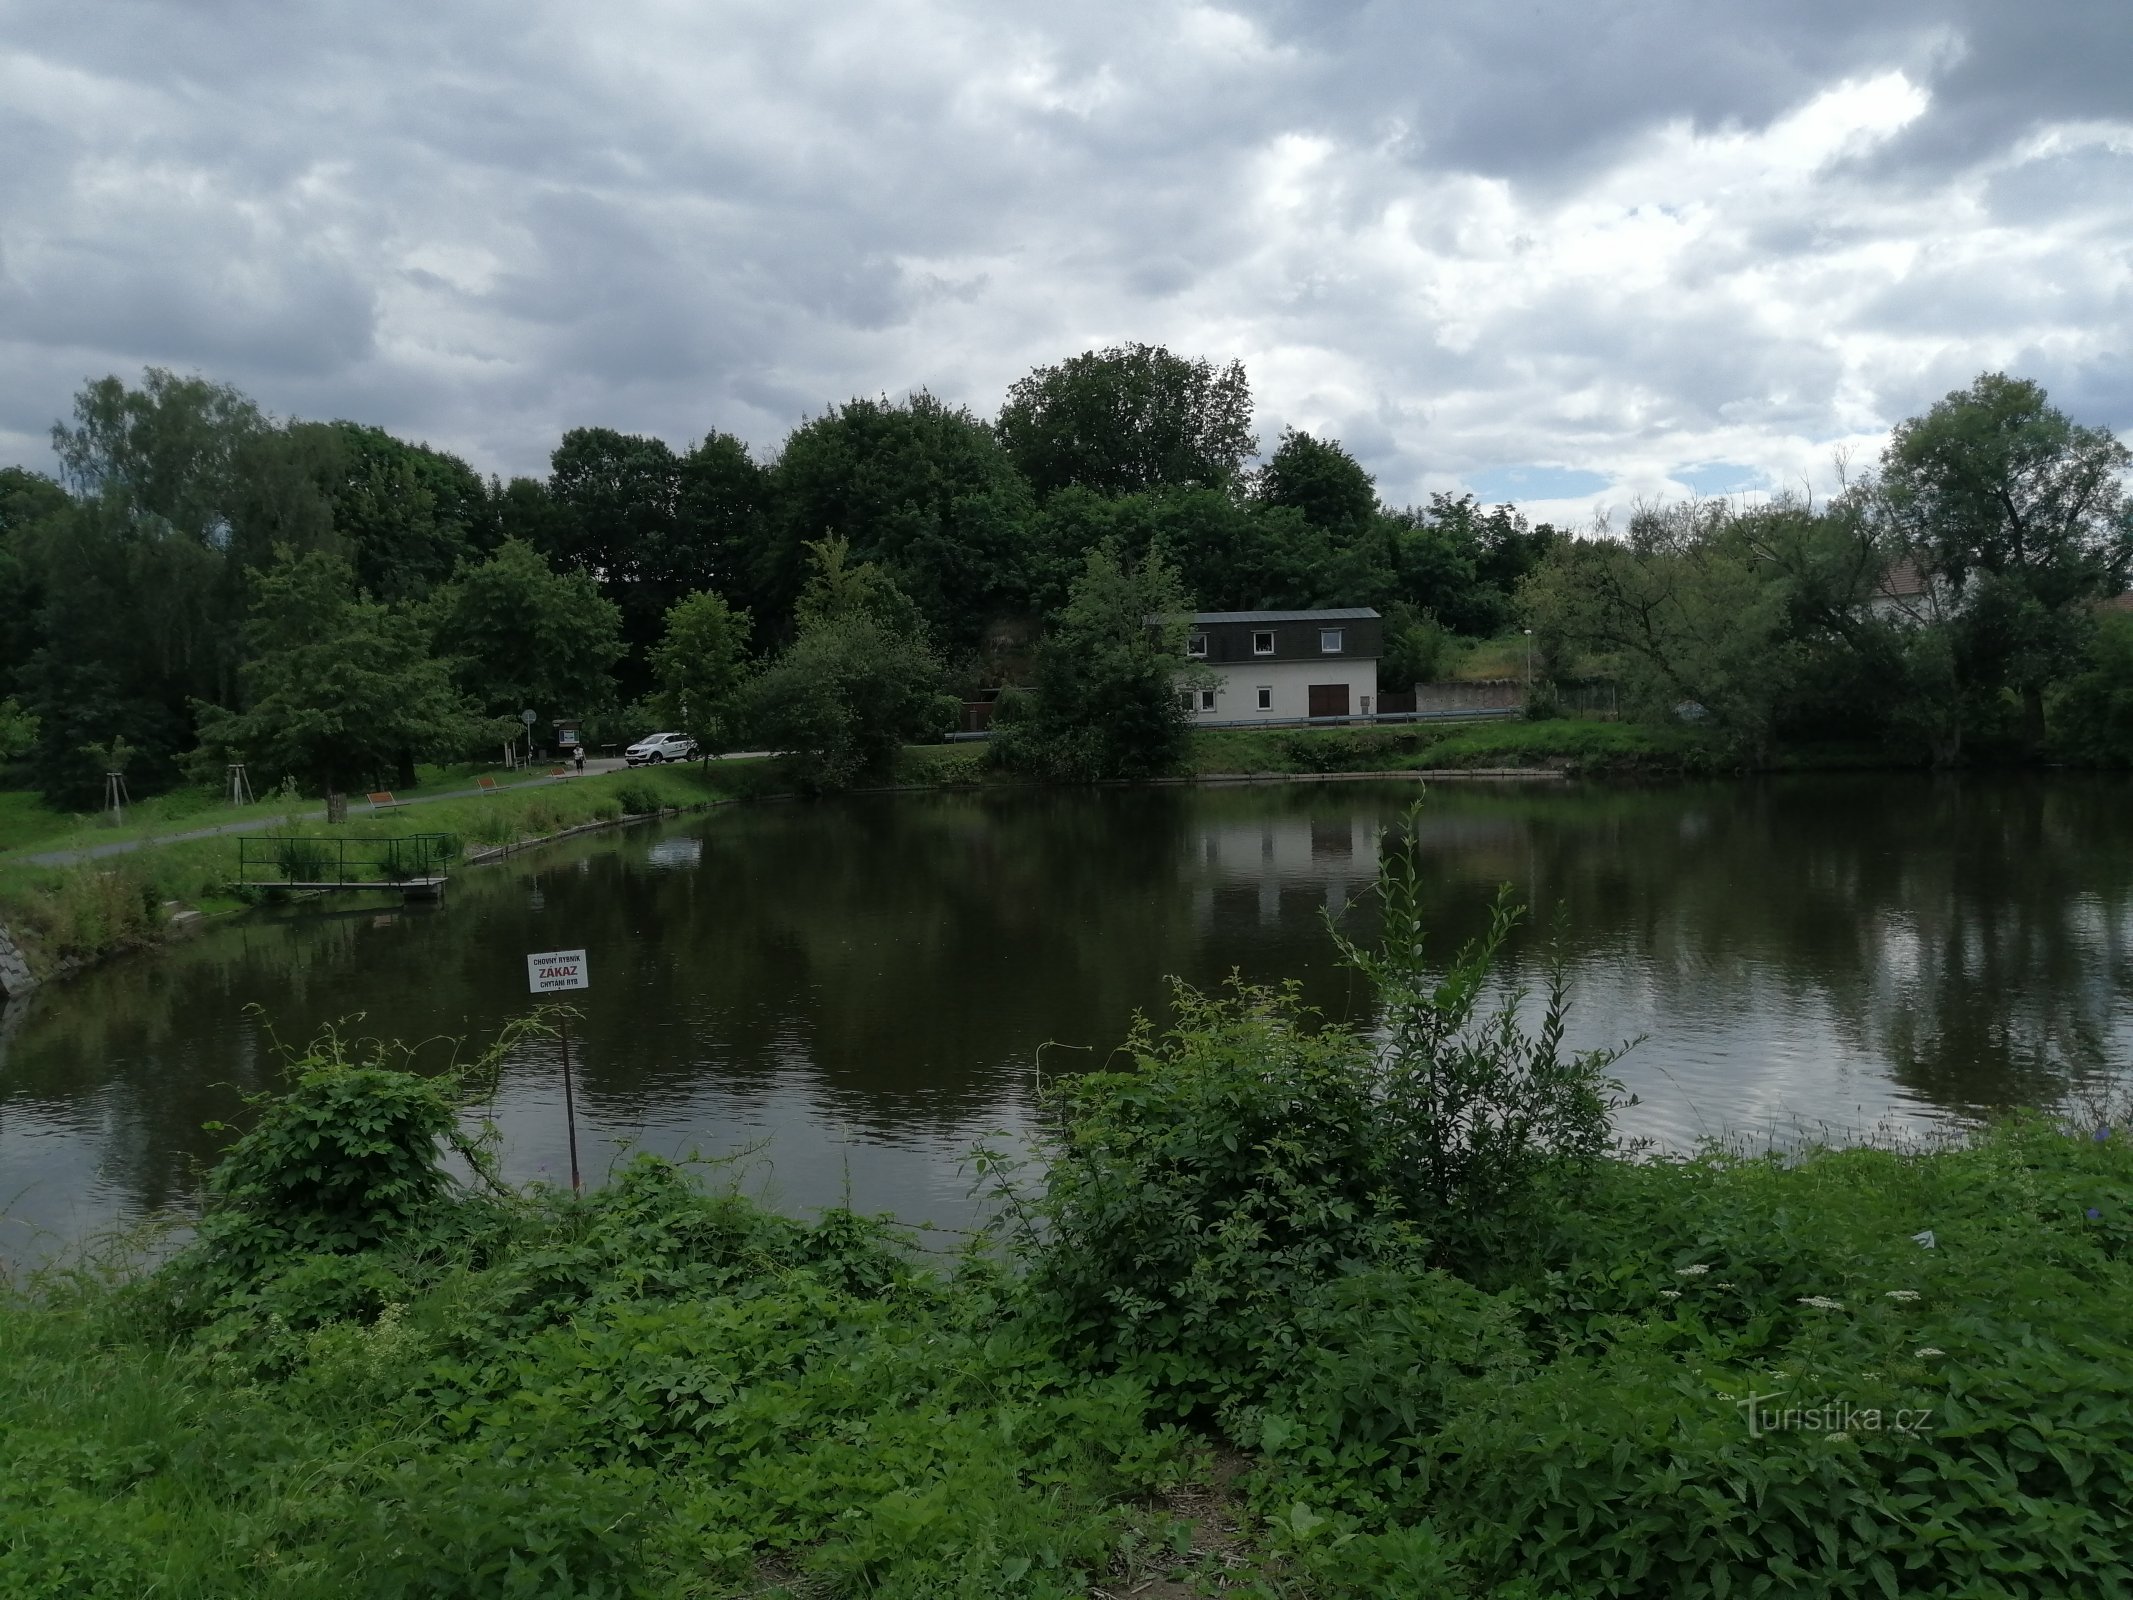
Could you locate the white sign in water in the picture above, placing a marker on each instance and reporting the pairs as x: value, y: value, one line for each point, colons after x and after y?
x: 558, y: 969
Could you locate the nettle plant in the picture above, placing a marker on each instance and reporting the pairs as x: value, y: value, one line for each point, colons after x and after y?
x: 347, y: 1156
x: 1198, y: 1205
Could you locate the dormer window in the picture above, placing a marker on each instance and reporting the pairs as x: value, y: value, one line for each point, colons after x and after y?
x: 1329, y: 641
x: 1196, y: 645
x: 1263, y: 643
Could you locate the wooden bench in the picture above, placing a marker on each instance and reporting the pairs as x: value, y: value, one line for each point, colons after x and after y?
x: 485, y: 785
x: 382, y: 799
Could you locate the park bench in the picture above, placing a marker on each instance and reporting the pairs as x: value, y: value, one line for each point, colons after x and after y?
x: 382, y: 799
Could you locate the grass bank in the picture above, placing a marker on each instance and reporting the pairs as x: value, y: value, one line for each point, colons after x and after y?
x: 1592, y: 748
x: 1235, y: 1351
x: 87, y: 910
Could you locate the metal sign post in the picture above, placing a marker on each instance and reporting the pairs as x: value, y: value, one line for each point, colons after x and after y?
x: 549, y: 973
x: 529, y: 719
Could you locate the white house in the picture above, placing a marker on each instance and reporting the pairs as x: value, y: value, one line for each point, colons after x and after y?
x: 1278, y: 666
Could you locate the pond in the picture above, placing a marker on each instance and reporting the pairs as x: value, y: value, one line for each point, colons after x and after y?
x: 847, y: 994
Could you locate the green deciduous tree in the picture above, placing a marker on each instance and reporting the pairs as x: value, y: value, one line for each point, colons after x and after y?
x: 1129, y: 418
x: 2022, y: 513
x: 520, y: 635
x: 1686, y: 612
x: 339, y: 689
x: 2092, y: 711
x: 18, y: 730
x: 699, y: 668
x: 1111, y: 678
x: 406, y: 516
x: 855, y: 685
x: 918, y: 487
x: 1319, y: 479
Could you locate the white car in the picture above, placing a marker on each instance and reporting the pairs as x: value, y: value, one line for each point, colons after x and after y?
x: 660, y: 747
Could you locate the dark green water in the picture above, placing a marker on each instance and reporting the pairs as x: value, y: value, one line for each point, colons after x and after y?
x: 860, y: 989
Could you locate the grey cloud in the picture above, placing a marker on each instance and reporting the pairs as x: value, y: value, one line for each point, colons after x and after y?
x: 481, y: 224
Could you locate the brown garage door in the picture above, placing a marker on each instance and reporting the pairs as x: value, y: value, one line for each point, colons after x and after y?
x: 1329, y: 699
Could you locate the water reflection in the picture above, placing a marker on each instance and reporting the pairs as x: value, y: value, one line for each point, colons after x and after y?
x: 862, y: 988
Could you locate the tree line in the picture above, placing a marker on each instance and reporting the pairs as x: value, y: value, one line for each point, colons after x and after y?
x: 199, y: 582
x: 1960, y: 601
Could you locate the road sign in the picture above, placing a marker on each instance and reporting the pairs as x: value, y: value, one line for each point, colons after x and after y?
x: 528, y: 718
x: 557, y: 969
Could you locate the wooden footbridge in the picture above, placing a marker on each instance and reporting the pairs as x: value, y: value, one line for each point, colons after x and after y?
x: 414, y: 864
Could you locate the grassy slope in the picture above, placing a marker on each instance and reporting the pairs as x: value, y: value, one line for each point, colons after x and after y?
x: 88, y: 909
x: 653, y: 1392
x: 1575, y: 746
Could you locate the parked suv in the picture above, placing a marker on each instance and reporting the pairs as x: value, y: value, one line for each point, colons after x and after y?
x: 660, y: 747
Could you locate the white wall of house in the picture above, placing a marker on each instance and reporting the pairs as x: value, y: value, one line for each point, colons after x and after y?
x: 1287, y: 685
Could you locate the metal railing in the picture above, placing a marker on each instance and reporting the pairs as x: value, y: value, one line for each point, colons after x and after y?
x: 340, y: 862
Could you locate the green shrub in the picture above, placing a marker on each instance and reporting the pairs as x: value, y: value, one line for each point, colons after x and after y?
x: 91, y: 910
x: 1194, y: 1205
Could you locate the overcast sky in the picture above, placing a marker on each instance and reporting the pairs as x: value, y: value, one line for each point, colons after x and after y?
x: 1562, y: 252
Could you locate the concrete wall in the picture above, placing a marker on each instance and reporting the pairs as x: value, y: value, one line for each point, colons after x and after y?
x: 1237, y: 697
x: 1489, y: 694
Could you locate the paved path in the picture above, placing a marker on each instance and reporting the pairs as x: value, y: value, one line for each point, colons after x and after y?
x: 68, y: 858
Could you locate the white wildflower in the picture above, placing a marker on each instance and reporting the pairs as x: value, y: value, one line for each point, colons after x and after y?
x: 1696, y: 1271
x: 1838, y: 1438
x: 1901, y: 1294
x: 1725, y: 1286
x: 1821, y: 1302
x: 1931, y: 1350
x: 1670, y: 1294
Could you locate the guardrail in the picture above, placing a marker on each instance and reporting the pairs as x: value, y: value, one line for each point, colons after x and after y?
x: 295, y: 861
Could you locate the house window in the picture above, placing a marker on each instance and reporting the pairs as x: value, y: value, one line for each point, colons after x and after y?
x: 1266, y: 698
x: 1196, y: 645
x: 1366, y: 705
x: 1329, y: 641
x: 1185, y: 699
x: 1207, y: 699
x: 1263, y: 643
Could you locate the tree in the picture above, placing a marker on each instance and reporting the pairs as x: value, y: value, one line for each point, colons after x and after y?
x: 173, y: 448
x: 406, y: 515
x: 1687, y: 613
x: 619, y: 499
x: 29, y: 505
x: 519, y: 635
x: 338, y: 688
x: 725, y: 518
x: 2022, y: 512
x: 1112, y: 678
x: 855, y: 685
x: 700, y: 667
x: 918, y: 487
x: 1129, y: 418
x: 1319, y: 479
x: 18, y: 730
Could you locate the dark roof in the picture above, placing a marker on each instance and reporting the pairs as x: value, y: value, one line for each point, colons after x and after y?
x: 1350, y: 614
